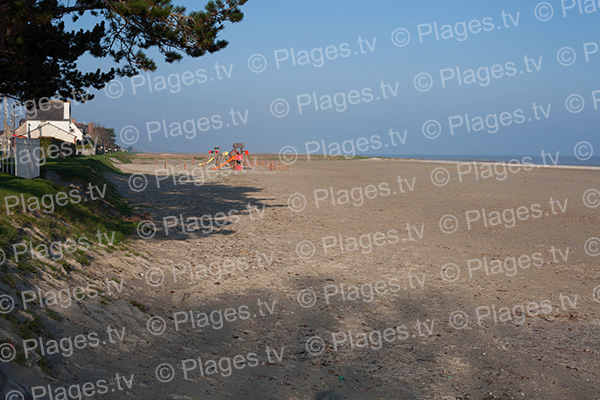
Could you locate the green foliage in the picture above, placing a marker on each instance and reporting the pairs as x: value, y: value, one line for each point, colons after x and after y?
x: 139, y: 306
x: 82, y: 258
x: 30, y: 329
x: 9, y: 279
x: 38, y: 55
x: 50, y: 147
x: 53, y: 314
x: 45, y: 365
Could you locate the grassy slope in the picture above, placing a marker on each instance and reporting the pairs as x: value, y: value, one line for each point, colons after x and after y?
x: 70, y: 221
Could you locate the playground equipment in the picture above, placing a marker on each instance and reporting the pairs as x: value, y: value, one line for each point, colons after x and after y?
x: 212, y: 157
x: 223, y: 158
x: 235, y: 158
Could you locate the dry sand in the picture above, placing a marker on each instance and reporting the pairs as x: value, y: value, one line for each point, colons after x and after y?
x: 552, y: 353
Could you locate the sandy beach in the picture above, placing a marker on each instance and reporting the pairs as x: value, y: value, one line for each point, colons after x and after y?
x: 216, y: 200
x: 348, y: 279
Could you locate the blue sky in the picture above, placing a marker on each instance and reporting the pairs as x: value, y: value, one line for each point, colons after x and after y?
x: 272, y: 29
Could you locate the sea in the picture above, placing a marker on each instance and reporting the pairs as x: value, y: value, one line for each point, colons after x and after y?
x: 551, y: 159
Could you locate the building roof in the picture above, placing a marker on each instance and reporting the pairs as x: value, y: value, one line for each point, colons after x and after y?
x: 85, y: 128
x: 54, y: 110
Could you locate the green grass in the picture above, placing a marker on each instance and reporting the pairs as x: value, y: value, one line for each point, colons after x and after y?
x: 45, y: 365
x: 86, y: 170
x: 30, y: 329
x: 9, y: 279
x: 81, y: 257
x: 125, y: 158
x: 139, y: 306
x: 76, y: 219
x: 53, y: 314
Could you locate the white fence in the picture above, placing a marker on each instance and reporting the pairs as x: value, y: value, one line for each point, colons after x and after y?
x: 20, y: 157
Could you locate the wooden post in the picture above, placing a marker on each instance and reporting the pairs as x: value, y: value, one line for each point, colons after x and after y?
x: 184, y: 165
x: 155, y: 160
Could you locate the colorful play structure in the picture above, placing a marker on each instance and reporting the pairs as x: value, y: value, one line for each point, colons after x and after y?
x: 234, y: 159
x: 211, y: 157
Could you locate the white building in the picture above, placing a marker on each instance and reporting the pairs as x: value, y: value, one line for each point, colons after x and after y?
x: 52, y: 120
